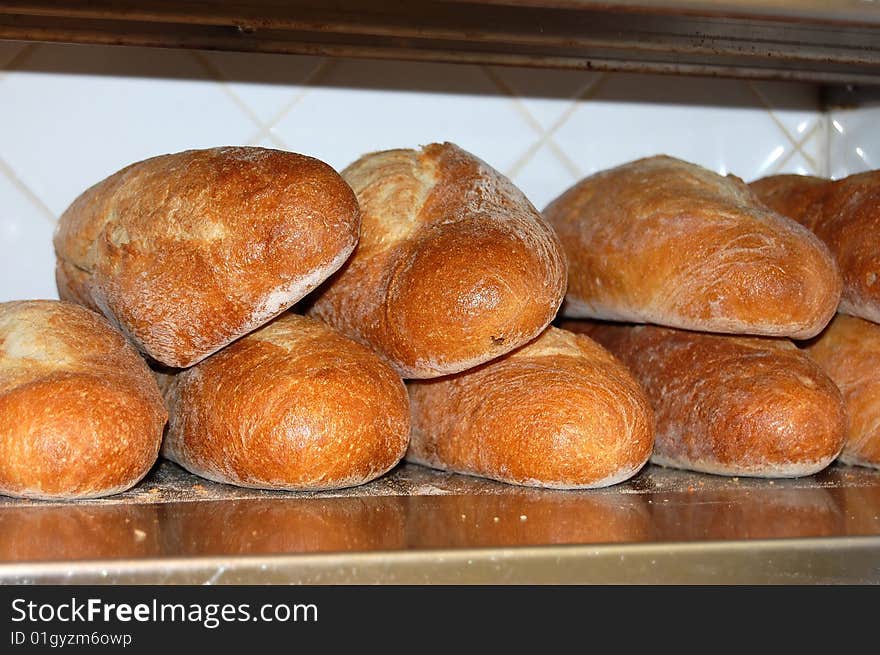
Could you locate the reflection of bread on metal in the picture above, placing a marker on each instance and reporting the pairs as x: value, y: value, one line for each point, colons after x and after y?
x: 526, y: 517
x: 859, y: 507
x: 35, y: 533
x: 285, y: 525
x: 750, y: 512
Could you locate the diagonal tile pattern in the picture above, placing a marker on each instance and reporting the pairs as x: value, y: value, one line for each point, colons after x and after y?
x: 854, y: 141
x: 70, y: 115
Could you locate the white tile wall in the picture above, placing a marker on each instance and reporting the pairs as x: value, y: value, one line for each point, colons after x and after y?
x: 70, y: 115
x: 854, y: 145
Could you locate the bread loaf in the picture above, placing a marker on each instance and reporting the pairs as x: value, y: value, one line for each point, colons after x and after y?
x: 187, y: 252
x: 454, y: 266
x: 849, y: 352
x: 80, y: 414
x: 663, y: 241
x: 293, y: 405
x: 846, y: 216
x: 731, y: 405
x: 560, y: 412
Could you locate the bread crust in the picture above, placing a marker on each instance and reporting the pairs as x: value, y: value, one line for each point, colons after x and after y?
x: 663, y: 241
x: 455, y: 267
x: 293, y: 405
x: 80, y: 414
x: 560, y: 412
x: 845, y: 214
x: 849, y: 352
x: 189, y: 251
x: 730, y: 405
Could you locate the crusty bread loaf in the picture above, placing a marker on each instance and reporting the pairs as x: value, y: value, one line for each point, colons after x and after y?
x: 846, y: 216
x: 730, y: 405
x: 560, y: 412
x: 293, y: 405
x: 663, y: 241
x: 187, y: 252
x: 849, y: 352
x: 799, y: 197
x: 80, y: 414
x: 454, y: 267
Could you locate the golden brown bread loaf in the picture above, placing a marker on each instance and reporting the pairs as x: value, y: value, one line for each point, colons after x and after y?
x: 730, y: 405
x: 293, y: 405
x: 663, y: 241
x: 849, y: 352
x: 187, y: 252
x: 80, y: 414
x: 560, y: 412
x: 846, y: 216
x: 454, y: 266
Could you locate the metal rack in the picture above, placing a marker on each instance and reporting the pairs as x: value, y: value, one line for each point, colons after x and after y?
x: 812, y: 40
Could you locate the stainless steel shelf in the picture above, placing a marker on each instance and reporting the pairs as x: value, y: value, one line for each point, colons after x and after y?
x: 421, y: 526
x: 805, y: 39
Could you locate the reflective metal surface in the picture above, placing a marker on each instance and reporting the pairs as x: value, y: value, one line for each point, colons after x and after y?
x: 417, y: 525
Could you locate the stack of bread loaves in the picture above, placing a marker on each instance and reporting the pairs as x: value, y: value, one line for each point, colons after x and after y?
x: 435, y: 266
x: 191, y: 256
x: 454, y: 282
x: 665, y: 242
x: 430, y: 266
x: 845, y: 214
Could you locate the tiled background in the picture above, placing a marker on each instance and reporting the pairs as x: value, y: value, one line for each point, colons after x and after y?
x: 71, y: 115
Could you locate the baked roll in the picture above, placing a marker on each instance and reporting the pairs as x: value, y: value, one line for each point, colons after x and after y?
x: 293, y: 405
x: 846, y: 215
x: 667, y: 242
x: 731, y: 405
x: 560, y: 412
x: 80, y: 413
x: 849, y: 352
x: 454, y: 267
x: 187, y: 252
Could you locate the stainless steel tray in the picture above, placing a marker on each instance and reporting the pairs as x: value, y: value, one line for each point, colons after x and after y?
x: 420, y: 526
